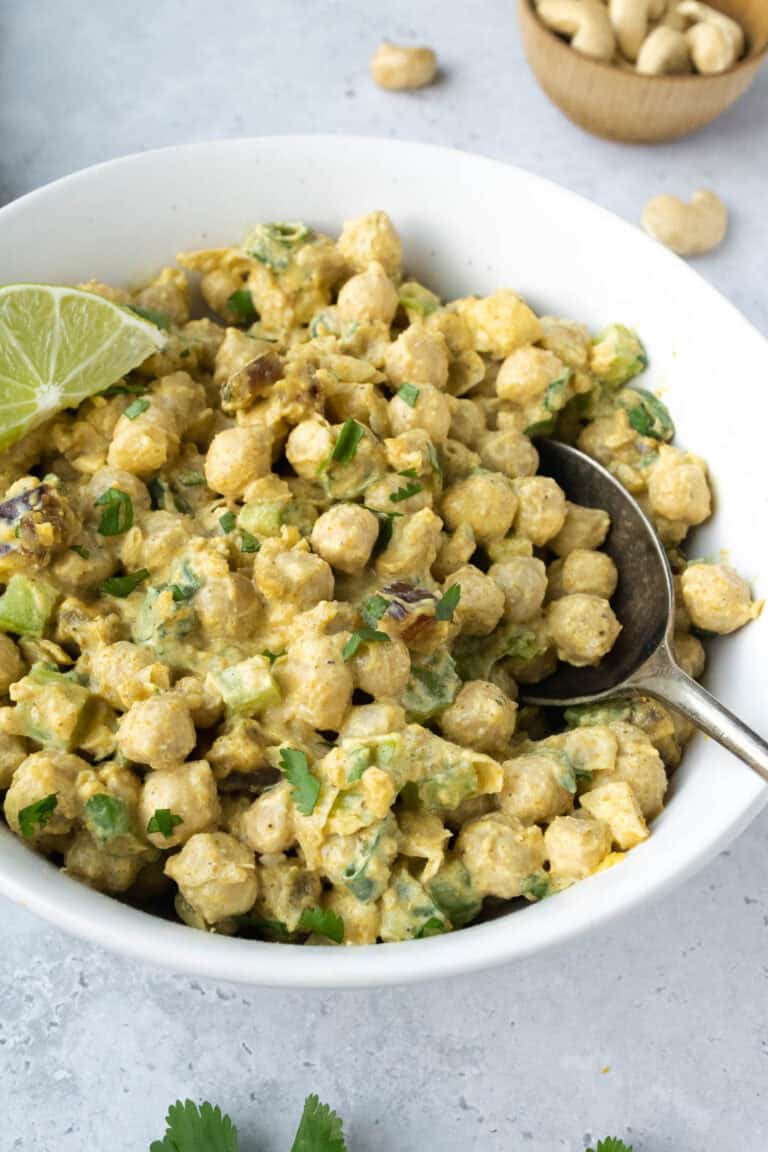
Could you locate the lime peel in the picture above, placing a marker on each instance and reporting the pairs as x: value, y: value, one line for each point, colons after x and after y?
x: 59, y: 345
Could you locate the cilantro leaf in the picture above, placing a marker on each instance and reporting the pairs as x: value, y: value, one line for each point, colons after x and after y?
x: 117, y: 516
x: 306, y: 787
x: 164, y: 821
x: 447, y: 605
x: 409, y: 394
x: 106, y: 817
x: 272, y: 656
x: 36, y: 816
x: 241, y: 303
x: 320, y: 1129
x: 431, y: 927
x: 159, y: 319
x: 193, y: 1128
x: 346, y: 446
x: 324, y: 922
x: 407, y: 490
x: 373, y: 608
x: 122, y: 586
x: 360, y: 637
x: 136, y: 408
x: 248, y: 542
x: 611, y: 1144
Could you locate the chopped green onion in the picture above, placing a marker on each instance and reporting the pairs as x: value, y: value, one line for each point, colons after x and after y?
x: 346, y: 446
x: 447, y: 605
x: 159, y: 319
x: 241, y: 303
x: 227, y: 521
x: 117, y: 516
x: 323, y: 922
x: 122, y: 586
x: 362, y: 636
x: 248, y: 542
x: 409, y: 394
x: 406, y: 492
x: 36, y: 816
x: 136, y: 408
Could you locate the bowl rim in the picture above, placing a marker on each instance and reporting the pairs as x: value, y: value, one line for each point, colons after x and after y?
x: 526, y: 12
x: 33, y: 882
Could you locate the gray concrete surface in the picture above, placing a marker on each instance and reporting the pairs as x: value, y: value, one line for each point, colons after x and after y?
x: 655, y: 1029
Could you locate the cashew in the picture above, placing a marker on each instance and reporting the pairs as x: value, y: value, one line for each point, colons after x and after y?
x: 585, y: 22
x: 664, y: 52
x: 688, y: 229
x: 712, y: 49
x: 693, y: 12
x: 630, y: 21
x: 399, y: 66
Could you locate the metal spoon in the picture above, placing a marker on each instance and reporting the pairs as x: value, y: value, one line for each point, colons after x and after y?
x: 641, y: 662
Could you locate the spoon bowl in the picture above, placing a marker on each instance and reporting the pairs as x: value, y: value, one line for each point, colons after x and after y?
x: 642, y: 661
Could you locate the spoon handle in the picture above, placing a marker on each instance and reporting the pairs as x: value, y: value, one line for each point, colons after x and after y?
x: 674, y: 687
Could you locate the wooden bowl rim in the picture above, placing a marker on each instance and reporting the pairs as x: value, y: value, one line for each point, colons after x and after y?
x: 690, y: 78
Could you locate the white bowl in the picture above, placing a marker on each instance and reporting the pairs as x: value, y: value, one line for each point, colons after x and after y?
x: 468, y: 225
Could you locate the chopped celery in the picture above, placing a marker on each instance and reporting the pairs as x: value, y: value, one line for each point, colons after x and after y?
x: 27, y: 605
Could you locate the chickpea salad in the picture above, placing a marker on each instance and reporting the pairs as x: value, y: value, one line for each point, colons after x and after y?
x: 268, y: 599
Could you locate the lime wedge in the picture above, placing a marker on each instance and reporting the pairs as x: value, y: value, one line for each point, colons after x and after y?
x: 59, y: 345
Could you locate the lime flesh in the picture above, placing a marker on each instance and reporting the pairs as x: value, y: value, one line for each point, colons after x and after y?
x: 59, y: 345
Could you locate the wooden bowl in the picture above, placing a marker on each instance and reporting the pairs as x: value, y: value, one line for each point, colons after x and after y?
x: 622, y: 105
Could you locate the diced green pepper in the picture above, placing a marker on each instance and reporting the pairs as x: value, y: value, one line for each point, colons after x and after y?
x: 431, y: 688
x: 27, y: 605
x: 407, y: 907
x: 248, y: 687
x: 618, y: 355
x: 451, y: 888
x: 51, y: 708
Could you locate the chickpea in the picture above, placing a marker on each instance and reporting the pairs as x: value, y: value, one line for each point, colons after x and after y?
x: 38, y: 776
x: 430, y: 412
x: 532, y: 789
x: 678, y: 488
x: 413, y: 547
x: 527, y: 373
x: 12, y: 751
x: 309, y: 444
x: 88, y: 861
x: 717, y: 598
x: 317, y: 680
x: 523, y: 582
x: 124, y: 673
x: 379, y: 495
x: 582, y: 528
x: 216, y: 875
x: 500, y: 853
x: 236, y: 457
x: 268, y: 824
x: 398, y: 66
x: 418, y: 356
x: 188, y: 791
x: 481, y: 603
x: 382, y: 669
x: 575, y: 846
x: 369, y: 297
x: 158, y: 731
x: 467, y: 423
x: 481, y: 717
x: 371, y: 237
x: 541, y: 508
x: 690, y: 654
x: 344, y: 536
x: 583, y: 628
x: 592, y: 572
x: 227, y: 607
x: 299, y: 577
x: 509, y: 452
x: 486, y: 502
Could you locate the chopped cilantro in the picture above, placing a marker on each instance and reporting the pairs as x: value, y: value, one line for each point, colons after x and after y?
x: 122, y: 586
x: 36, y: 816
x: 411, y: 473
x: 227, y: 521
x: 272, y: 656
x: 611, y: 1144
x: 125, y: 388
x: 164, y: 821
x: 360, y: 637
x: 405, y: 492
x: 535, y: 887
x: 136, y: 408
x: 81, y: 551
x: 346, y: 446
x: 409, y: 394
x: 117, y: 516
x: 386, y: 523
x: 106, y: 816
x: 193, y: 1128
x: 241, y: 304
x: 373, y: 608
x: 306, y: 786
x: 447, y: 605
x: 159, y: 319
x: 324, y: 922
x: 431, y: 927
x: 248, y: 542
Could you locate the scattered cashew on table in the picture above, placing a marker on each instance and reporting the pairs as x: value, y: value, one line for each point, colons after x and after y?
x: 398, y: 66
x: 688, y: 229
x: 653, y: 37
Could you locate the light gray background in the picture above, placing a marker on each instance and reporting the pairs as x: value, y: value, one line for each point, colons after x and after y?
x: 656, y: 1029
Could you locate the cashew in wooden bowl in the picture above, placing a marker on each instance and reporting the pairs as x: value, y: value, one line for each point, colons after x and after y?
x: 688, y: 229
